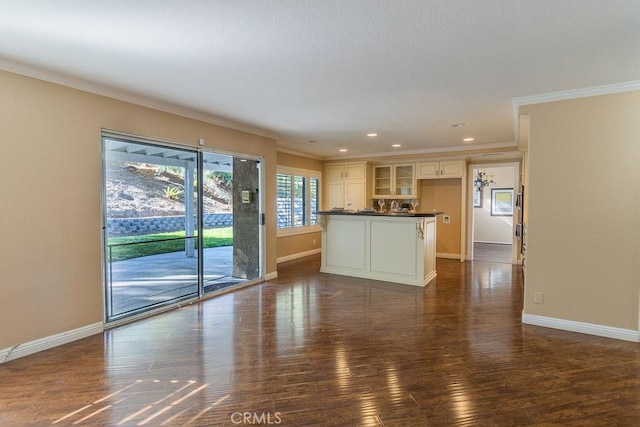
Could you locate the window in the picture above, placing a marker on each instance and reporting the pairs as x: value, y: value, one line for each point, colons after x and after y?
x: 298, y: 201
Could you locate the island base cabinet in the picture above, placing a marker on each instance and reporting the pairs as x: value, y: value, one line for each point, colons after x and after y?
x: 392, y: 249
x: 348, y: 253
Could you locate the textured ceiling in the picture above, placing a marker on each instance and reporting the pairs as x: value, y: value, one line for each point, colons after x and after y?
x: 334, y: 70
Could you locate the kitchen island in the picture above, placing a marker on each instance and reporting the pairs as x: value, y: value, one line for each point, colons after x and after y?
x: 394, y: 247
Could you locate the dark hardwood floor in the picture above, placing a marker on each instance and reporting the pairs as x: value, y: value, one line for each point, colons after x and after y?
x: 317, y: 349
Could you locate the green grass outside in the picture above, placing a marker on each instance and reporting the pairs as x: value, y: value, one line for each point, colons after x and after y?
x: 212, y: 238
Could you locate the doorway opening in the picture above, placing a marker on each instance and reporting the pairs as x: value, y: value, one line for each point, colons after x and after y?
x: 494, y: 190
x: 179, y: 223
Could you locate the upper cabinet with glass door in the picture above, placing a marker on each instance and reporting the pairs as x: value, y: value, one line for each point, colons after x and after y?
x: 394, y: 181
x: 382, y: 181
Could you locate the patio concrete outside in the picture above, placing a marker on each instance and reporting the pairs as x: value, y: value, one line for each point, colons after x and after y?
x: 145, y: 281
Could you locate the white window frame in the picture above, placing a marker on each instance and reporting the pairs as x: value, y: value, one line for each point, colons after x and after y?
x: 308, y: 175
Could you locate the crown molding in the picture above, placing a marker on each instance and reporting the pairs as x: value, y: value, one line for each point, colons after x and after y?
x: 569, y: 94
x: 142, y: 101
x: 577, y: 93
x: 297, y: 153
x: 456, y: 149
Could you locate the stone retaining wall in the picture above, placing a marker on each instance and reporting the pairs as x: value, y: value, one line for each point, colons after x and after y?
x: 118, y: 227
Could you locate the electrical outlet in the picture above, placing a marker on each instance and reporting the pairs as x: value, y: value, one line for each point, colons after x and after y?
x: 446, y: 219
x: 538, y: 298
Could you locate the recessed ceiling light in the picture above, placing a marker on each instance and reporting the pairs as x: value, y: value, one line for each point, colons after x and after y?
x: 372, y: 134
x: 343, y: 150
x: 468, y: 139
x: 457, y: 125
x: 396, y: 145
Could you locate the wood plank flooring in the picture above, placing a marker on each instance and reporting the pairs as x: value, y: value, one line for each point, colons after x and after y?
x: 492, y: 252
x: 312, y: 349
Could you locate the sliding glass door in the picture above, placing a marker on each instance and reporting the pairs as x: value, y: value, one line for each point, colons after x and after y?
x: 230, y: 220
x: 150, y: 226
x: 179, y: 223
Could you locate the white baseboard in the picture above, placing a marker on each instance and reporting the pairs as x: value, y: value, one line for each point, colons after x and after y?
x: 51, y: 341
x: 271, y: 276
x: 446, y: 255
x: 582, y: 327
x: 298, y: 255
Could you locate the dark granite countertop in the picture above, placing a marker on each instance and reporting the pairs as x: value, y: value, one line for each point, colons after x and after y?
x: 375, y: 213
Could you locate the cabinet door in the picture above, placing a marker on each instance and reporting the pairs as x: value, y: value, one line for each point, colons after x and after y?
x: 404, y: 182
x: 428, y: 170
x: 451, y: 169
x: 355, y: 171
x: 355, y: 194
x: 382, y: 181
x: 335, y: 195
x: 334, y: 172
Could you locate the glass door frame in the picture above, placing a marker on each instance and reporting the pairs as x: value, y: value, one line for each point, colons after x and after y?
x: 199, y: 152
x: 202, y: 151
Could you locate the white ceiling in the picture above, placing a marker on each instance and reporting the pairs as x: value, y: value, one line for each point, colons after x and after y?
x: 334, y: 70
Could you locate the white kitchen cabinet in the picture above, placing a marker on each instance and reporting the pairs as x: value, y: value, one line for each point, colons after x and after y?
x: 347, y: 194
x: 346, y: 171
x: 345, y: 186
x: 442, y: 169
x: 394, y: 181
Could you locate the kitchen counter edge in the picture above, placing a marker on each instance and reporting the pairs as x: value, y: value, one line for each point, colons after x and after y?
x: 390, y: 214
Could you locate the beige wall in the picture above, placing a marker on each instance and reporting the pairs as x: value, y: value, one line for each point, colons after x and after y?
x: 50, y: 167
x: 443, y: 195
x: 488, y: 228
x: 300, y: 243
x: 300, y: 162
x: 583, y: 240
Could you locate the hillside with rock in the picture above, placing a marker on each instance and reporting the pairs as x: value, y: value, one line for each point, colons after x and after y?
x: 135, y: 190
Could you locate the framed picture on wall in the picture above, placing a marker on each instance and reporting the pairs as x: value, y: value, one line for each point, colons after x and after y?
x: 502, y: 201
x: 477, y: 198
